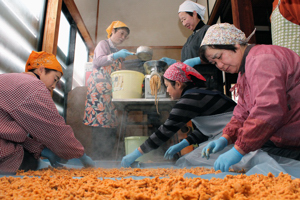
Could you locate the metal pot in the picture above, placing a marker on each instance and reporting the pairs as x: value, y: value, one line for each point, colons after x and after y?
x: 144, y: 53
x: 158, y: 66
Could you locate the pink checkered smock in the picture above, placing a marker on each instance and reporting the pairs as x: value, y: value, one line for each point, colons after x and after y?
x: 26, y: 107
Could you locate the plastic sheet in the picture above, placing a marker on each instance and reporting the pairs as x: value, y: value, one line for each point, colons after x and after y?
x: 257, y: 162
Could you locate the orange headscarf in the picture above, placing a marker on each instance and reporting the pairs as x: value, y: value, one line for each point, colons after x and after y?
x: 114, y: 24
x: 42, y: 59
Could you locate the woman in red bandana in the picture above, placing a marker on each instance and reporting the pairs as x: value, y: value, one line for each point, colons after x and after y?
x: 209, y: 110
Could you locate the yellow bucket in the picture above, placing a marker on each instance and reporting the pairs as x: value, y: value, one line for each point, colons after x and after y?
x: 127, y: 84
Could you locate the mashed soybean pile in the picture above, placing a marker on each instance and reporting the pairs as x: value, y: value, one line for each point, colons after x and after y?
x: 161, y: 184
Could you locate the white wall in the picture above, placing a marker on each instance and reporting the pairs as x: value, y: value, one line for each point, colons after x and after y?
x: 151, y: 22
x: 88, y: 12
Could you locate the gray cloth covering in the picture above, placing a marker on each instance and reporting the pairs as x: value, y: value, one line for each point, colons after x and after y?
x: 212, y: 125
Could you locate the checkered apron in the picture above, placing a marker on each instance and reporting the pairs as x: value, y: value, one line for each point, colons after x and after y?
x: 284, y: 32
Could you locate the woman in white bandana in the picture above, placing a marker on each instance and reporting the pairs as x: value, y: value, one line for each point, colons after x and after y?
x: 191, y: 15
x: 267, y: 115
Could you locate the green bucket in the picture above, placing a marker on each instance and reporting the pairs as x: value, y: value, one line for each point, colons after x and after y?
x: 133, y: 142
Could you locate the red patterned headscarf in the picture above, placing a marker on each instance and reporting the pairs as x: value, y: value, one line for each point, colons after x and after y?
x: 182, y: 73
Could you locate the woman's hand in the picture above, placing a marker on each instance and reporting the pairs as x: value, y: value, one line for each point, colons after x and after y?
x: 130, y: 158
x: 214, y: 146
x: 52, y: 157
x: 87, y: 161
x: 169, y: 61
x: 123, y: 53
x: 193, y: 61
x: 176, y: 148
x: 227, y: 159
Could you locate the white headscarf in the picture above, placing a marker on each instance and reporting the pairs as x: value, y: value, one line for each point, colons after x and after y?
x: 190, y: 6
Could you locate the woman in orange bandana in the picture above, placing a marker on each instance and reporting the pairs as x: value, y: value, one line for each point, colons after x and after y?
x: 43, y: 65
x: 100, y: 113
x: 31, y: 126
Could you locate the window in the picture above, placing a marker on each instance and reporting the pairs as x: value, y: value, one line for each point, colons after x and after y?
x: 63, y: 56
x: 22, y: 29
x: 64, y: 35
x: 72, y: 54
x: 80, y: 59
x: 20, y: 33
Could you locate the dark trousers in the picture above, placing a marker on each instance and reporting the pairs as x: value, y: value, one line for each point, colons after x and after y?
x: 29, y: 162
x: 103, y: 143
x: 270, y: 147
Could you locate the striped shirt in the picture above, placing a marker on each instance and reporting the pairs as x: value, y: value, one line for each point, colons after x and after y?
x: 27, y: 108
x: 190, y: 105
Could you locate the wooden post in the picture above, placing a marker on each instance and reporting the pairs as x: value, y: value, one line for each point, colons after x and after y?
x: 242, y: 16
x: 52, y: 26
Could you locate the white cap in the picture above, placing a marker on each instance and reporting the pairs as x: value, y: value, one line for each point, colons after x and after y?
x: 190, y: 6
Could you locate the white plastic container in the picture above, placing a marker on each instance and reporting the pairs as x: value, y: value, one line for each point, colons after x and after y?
x: 88, y: 70
x: 127, y: 84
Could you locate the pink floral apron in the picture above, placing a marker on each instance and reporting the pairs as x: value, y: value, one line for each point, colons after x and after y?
x: 99, y: 109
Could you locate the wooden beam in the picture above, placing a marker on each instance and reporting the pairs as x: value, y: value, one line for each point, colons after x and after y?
x: 97, y: 19
x: 242, y: 16
x: 80, y: 24
x: 215, y: 14
x: 52, y: 26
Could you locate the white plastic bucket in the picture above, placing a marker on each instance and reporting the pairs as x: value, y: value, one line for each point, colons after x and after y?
x: 127, y: 84
x: 133, y: 142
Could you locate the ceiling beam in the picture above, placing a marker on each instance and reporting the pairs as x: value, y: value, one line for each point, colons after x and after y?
x: 80, y: 24
x: 215, y: 13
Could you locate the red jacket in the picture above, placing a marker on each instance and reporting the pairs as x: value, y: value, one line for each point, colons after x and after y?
x: 269, y: 100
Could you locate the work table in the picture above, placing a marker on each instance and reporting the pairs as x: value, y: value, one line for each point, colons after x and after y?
x: 148, y: 107
x: 139, y: 103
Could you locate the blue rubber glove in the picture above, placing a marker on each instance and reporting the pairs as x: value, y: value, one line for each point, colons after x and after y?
x: 214, y: 146
x: 227, y: 159
x: 53, y: 158
x: 176, y: 148
x: 87, y: 161
x: 169, y: 61
x: 192, y: 61
x: 123, y: 53
x: 130, y: 158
